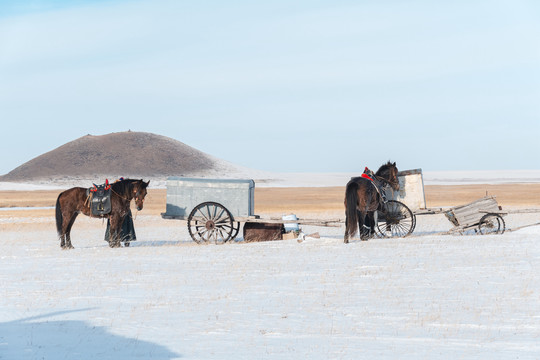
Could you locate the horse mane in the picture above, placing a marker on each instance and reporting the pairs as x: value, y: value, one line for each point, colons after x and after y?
x: 124, y: 186
x: 384, y: 168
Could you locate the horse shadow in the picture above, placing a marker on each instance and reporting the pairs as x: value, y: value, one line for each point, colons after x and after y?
x: 157, y: 243
x: 39, y: 337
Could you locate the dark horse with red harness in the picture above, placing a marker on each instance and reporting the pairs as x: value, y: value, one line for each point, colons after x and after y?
x: 77, y: 200
x: 363, y: 197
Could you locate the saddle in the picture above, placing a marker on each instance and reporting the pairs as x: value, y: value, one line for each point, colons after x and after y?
x: 99, y: 197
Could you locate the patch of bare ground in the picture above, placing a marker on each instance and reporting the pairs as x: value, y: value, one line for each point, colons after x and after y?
x: 508, y: 195
x: 314, y: 201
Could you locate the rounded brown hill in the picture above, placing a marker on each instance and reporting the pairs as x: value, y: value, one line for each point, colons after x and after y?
x: 123, y: 154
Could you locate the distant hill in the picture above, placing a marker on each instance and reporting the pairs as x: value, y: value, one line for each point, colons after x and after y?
x: 128, y: 154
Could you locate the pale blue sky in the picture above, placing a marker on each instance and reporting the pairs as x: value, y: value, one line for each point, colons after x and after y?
x: 316, y: 86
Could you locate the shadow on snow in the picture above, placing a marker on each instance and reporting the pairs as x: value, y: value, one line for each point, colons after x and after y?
x: 40, y: 338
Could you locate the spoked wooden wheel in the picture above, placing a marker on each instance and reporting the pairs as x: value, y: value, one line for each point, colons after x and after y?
x: 210, y: 222
x: 395, y: 219
x: 491, y: 224
x: 236, y: 230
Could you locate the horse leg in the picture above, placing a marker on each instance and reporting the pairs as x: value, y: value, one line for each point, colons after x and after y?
x: 60, y: 229
x: 373, y: 219
x: 369, y: 224
x: 62, y: 240
x: 114, y: 240
x: 367, y: 229
x: 363, y: 225
x: 63, y: 232
x: 67, y: 233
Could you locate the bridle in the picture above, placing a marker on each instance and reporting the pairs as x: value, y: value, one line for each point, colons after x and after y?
x: 138, y: 194
x: 135, y: 197
x: 394, y: 183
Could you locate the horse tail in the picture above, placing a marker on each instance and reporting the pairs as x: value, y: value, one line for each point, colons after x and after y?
x: 59, y: 217
x: 351, y: 203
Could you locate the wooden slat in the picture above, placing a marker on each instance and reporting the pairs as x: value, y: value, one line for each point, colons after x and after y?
x: 516, y: 211
x: 257, y: 219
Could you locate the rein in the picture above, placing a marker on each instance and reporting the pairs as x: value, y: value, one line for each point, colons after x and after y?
x: 125, y: 197
x: 135, y: 197
x: 385, y: 182
x: 121, y: 196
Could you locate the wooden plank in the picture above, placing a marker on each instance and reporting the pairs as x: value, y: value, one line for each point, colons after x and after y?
x: 429, y: 211
x: 521, y: 227
x: 258, y: 219
x: 516, y: 211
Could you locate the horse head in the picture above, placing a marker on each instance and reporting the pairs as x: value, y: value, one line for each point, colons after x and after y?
x: 389, y: 172
x: 139, y: 193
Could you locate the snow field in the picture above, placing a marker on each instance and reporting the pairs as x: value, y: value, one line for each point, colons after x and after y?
x: 165, y: 297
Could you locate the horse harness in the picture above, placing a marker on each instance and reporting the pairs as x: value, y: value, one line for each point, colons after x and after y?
x: 378, y: 182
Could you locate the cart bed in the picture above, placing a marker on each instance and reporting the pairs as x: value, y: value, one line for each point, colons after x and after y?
x: 470, y: 214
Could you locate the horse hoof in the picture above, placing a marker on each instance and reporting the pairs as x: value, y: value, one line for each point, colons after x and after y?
x: 65, y: 247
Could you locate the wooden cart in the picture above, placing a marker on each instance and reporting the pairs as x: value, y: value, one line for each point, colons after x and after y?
x: 483, y: 215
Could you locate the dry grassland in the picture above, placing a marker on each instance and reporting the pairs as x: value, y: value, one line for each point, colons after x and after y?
x: 321, y: 200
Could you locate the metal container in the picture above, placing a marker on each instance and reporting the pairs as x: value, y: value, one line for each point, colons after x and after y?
x: 290, y: 226
x: 183, y: 194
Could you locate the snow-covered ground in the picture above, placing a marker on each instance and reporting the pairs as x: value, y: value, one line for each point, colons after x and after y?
x: 422, y: 297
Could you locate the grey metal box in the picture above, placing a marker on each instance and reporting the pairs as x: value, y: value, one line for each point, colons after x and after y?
x: 183, y: 194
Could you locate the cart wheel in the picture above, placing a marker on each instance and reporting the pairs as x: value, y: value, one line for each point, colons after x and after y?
x: 491, y: 224
x: 236, y: 230
x: 395, y: 219
x: 210, y: 221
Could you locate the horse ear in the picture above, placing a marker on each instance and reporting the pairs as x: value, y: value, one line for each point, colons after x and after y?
x: 394, y: 163
x: 148, y: 183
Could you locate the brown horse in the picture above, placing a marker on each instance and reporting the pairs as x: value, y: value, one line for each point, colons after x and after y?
x: 75, y: 200
x: 362, y: 199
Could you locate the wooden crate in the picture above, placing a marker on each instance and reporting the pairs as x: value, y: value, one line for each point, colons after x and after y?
x: 259, y: 231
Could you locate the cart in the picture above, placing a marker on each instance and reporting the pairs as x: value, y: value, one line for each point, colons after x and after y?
x: 396, y: 216
x: 482, y: 215
x: 215, y: 208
